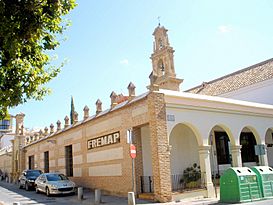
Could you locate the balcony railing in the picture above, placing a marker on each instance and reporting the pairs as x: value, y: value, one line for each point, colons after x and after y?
x: 188, y: 181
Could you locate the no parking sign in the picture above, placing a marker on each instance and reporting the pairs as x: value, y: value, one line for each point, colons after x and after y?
x: 132, y: 151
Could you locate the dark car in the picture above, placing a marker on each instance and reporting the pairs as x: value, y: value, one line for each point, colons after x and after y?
x: 27, y: 178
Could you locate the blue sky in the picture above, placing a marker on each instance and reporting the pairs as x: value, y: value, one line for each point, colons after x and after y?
x: 110, y: 42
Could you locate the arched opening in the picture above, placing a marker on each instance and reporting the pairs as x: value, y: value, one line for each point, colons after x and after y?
x: 269, y: 144
x: 185, y: 169
x: 161, y: 68
x: 248, y: 141
x: 221, y: 141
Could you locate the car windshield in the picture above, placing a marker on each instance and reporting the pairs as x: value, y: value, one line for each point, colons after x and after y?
x: 56, y: 177
x: 34, y: 173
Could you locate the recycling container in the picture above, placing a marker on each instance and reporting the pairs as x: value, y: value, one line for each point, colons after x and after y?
x: 239, y: 184
x: 265, y: 179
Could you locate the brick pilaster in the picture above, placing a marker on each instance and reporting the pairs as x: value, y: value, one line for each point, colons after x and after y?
x: 138, y: 159
x: 159, y: 147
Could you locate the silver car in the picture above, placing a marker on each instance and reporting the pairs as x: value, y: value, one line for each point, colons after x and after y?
x: 54, y: 183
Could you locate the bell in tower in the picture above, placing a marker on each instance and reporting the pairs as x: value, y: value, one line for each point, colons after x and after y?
x: 163, y: 73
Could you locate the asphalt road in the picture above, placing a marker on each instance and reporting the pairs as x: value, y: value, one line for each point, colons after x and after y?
x: 10, y: 193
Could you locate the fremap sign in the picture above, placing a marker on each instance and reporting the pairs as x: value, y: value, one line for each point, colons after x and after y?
x: 103, y: 140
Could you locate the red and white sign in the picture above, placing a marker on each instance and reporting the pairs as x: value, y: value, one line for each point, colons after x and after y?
x: 132, y: 151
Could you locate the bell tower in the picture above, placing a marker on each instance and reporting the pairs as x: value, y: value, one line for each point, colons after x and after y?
x: 163, y: 75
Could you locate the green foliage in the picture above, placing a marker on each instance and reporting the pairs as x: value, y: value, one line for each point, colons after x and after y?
x: 28, y: 30
x: 191, y: 174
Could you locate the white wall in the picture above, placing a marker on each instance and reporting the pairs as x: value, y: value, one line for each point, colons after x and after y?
x: 260, y: 92
x: 146, y: 151
x: 269, y: 140
x: 5, y: 140
x: 184, y: 151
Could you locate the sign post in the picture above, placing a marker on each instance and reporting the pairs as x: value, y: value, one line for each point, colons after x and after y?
x: 133, y: 156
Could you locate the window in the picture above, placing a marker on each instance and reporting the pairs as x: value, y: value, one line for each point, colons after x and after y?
x: 33, y: 173
x: 46, y: 162
x: 4, y: 124
x: 248, y: 142
x: 56, y: 177
x: 31, y: 162
x: 222, y: 148
x: 69, y: 161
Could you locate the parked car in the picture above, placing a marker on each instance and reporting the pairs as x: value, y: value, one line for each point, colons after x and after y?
x: 27, y: 178
x: 54, y: 183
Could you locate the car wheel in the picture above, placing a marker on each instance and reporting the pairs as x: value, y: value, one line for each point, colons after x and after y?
x: 19, y: 185
x: 47, y: 191
x: 26, y: 186
x: 37, y: 190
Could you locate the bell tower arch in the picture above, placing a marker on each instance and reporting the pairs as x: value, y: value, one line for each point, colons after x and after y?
x: 163, y: 75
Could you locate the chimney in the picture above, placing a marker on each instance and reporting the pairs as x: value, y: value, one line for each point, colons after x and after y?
x: 66, y: 121
x: 40, y: 134
x: 27, y: 141
x: 113, y: 97
x: 98, y: 106
x: 58, y: 125
x: 131, y: 89
x: 85, y: 112
x: 153, y: 86
x: 35, y: 136
x: 75, y: 120
x: 46, y: 131
x: 51, y: 128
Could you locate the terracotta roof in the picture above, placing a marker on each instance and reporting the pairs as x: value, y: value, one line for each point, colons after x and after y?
x: 234, y: 81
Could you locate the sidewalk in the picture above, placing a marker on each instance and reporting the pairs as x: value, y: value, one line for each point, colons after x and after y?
x: 89, y: 198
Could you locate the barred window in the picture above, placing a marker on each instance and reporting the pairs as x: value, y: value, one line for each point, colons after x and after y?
x: 46, y: 162
x: 4, y: 124
x: 222, y: 148
x: 248, y: 142
x: 31, y: 162
x: 69, y: 161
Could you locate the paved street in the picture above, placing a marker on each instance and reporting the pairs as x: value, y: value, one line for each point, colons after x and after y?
x: 10, y: 193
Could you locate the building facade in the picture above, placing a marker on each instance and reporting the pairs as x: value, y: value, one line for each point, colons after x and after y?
x: 254, y: 84
x: 183, y: 140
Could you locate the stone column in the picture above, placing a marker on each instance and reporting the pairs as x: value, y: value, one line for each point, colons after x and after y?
x: 159, y: 147
x: 17, y: 146
x: 204, y: 158
x: 236, y: 155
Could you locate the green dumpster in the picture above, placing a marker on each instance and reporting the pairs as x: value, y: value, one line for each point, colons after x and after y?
x: 265, y: 179
x: 239, y: 184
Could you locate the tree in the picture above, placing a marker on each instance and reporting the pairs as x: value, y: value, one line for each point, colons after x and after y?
x: 28, y: 30
x: 72, y: 111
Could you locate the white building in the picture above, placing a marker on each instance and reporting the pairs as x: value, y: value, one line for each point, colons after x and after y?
x: 253, y: 84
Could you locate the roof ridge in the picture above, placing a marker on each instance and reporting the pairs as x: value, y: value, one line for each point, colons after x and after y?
x: 233, y: 73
